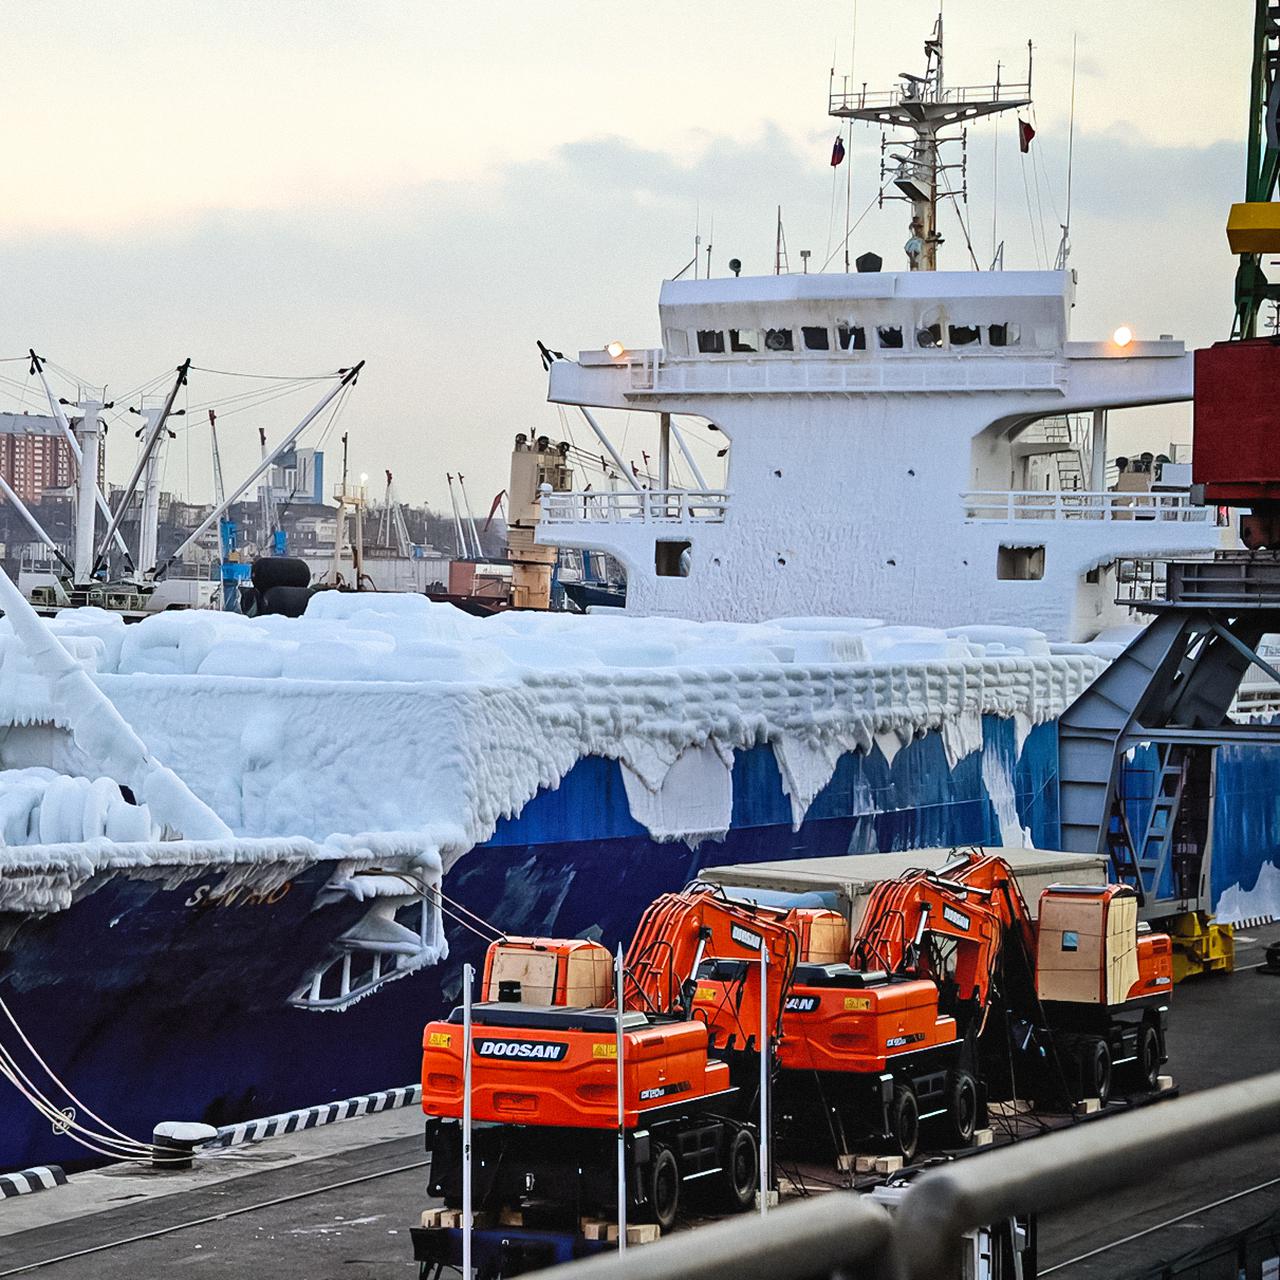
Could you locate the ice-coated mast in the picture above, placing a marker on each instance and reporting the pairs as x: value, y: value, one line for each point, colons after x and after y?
x: 927, y: 107
x: 90, y: 496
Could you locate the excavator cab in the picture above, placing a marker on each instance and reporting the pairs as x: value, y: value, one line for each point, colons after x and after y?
x: 566, y: 972
x: 544, y: 1052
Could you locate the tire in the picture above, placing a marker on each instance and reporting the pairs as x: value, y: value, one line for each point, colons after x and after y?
x: 663, y: 1187
x: 962, y: 1107
x: 1147, y: 1068
x: 1094, y: 1056
x: 280, y: 571
x: 741, y: 1171
x: 904, y: 1121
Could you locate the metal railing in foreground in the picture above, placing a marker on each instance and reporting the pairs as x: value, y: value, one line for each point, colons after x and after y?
x: 848, y: 1233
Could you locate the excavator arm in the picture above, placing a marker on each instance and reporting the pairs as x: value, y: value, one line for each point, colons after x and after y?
x: 903, y: 916
x: 702, y: 931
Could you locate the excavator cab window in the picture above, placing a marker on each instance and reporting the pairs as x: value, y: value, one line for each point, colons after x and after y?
x: 1070, y: 941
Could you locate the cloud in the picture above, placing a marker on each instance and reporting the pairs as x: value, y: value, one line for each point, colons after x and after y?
x: 444, y: 286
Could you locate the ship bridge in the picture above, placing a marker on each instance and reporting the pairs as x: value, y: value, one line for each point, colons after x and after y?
x: 921, y: 446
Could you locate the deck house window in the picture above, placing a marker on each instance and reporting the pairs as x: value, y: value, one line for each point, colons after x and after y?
x: 816, y: 337
x: 744, y: 340
x: 711, y: 342
x: 928, y: 336
x: 965, y: 335
x: 778, y: 340
x: 890, y: 336
x: 853, y: 337
x: 1003, y: 335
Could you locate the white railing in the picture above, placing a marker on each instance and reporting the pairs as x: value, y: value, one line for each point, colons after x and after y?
x: 649, y: 506
x: 778, y: 373
x: 992, y: 506
x: 957, y: 95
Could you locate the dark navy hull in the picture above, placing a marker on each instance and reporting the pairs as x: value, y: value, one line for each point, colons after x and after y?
x: 153, y: 1009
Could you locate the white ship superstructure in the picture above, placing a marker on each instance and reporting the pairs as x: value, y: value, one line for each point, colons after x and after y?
x: 882, y: 429
x: 917, y: 446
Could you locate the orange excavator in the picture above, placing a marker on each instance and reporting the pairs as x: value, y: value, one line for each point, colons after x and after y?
x: 544, y: 1052
x: 949, y: 994
x: 953, y: 994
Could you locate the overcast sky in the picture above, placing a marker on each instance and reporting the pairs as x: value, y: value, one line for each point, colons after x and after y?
x: 431, y: 186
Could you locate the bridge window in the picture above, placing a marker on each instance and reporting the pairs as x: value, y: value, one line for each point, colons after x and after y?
x: 677, y: 342
x: 890, y: 336
x: 744, y: 340
x: 816, y: 337
x: 1003, y: 335
x: 853, y: 337
x: 1020, y: 564
x: 671, y: 559
x: 965, y: 335
x: 929, y: 335
x: 711, y: 342
x: 778, y: 340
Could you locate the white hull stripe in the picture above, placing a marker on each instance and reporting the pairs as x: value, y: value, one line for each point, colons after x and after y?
x: 310, y: 1117
x: 43, y: 1178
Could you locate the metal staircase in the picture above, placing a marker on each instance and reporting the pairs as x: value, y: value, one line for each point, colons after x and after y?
x: 1172, y: 688
x: 1065, y: 443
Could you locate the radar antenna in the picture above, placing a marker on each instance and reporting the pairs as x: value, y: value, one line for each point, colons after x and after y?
x: 927, y: 107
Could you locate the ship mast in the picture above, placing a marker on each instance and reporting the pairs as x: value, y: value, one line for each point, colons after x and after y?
x: 928, y: 108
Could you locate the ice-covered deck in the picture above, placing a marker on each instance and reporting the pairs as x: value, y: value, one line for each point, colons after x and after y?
x: 388, y: 714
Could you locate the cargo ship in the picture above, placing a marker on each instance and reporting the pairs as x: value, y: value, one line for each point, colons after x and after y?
x: 384, y: 782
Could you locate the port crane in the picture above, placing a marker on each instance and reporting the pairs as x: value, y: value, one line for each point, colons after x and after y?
x: 1171, y: 692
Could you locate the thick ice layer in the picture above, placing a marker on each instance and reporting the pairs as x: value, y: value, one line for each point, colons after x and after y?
x: 383, y: 713
x: 39, y: 806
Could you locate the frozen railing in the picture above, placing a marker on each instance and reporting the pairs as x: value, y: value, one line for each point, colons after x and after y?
x: 648, y: 506
x: 998, y: 506
x: 845, y: 1234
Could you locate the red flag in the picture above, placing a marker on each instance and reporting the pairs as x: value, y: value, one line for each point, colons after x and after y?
x: 837, y: 151
x: 1025, y: 134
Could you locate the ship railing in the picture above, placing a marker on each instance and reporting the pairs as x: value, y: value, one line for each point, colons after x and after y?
x: 936, y: 1214
x: 957, y: 95
x: 999, y: 506
x: 646, y: 506
x: 891, y: 372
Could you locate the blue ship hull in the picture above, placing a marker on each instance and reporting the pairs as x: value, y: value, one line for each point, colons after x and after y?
x: 152, y: 1006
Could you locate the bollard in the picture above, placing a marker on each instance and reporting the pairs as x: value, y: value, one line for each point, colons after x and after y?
x: 173, y: 1144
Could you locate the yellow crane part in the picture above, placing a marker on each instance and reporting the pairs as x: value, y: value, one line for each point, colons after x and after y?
x: 1254, y: 227
x: 1200, y: 945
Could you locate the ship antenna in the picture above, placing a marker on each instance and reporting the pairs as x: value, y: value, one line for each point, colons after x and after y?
x: 848, y: 173
x: 925, y: 106
x: 1064, y: 246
